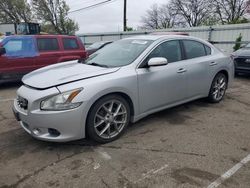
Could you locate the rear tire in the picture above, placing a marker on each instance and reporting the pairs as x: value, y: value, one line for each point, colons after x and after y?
x: 108, y: 119
x: 218, y: 88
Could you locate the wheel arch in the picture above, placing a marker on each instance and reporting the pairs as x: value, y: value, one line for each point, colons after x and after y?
x: 225, y: 72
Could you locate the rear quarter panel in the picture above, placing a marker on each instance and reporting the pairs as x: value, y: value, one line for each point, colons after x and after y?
x: 225, y: 63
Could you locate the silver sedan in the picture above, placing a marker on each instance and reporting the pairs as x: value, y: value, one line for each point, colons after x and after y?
x: 119, y: 84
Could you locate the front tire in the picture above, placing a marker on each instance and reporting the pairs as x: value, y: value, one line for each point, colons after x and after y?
x: 218, y: 88
x: 108, y: 119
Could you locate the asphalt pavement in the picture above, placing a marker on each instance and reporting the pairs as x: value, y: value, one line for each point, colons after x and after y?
x: 193, y: 145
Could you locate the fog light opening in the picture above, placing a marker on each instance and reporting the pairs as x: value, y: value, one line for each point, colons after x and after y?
x: 36, y: 131
x: 54, y: 132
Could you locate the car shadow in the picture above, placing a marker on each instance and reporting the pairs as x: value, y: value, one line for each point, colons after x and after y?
x: 243, y: 76
x: 14, y: 146
x: 10, y: 84
x: 174, y: 116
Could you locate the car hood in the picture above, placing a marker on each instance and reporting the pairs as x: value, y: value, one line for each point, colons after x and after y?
x: 242, y: 52
x: 63, y: 73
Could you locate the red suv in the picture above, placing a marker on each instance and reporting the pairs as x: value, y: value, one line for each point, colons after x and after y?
x: 22, y: 54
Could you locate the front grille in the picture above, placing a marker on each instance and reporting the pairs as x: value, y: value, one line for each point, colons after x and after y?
x: 22, y: 103
x: 242, y: 62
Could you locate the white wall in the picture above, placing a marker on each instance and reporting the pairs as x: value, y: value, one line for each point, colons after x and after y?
x: 7, y: 28
x: 224, y: 36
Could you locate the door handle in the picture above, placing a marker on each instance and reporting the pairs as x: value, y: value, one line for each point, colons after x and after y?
x: 213, y: 63
x: 181, y: 70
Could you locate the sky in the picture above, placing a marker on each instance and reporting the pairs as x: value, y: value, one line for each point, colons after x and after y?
x: 108, y: 17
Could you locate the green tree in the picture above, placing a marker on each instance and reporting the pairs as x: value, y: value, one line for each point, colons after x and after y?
x: 15, y: 11
x: 54, y: 16
x: 238, y: 43
x: 239, y: 21
x: 130, y: 29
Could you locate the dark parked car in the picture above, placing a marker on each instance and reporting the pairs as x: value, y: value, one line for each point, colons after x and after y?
x: 242, y: 59
x: 97, y: 46
x: 22, y: 54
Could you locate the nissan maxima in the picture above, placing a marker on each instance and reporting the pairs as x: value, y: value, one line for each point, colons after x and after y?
x: 121, y: 83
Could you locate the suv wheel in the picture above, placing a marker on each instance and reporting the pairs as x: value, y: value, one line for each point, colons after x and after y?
x: 108, y: 119
x: 218, y: 88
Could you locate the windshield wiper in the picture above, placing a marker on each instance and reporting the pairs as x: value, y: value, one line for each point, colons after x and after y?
x: 98, y: 65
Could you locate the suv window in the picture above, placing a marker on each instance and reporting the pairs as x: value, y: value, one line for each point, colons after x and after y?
x: 194, y: 49
x: 47, y: 44
x: 23, y: 47
x: 171, y: 50
x: 70, y: 44
x: 13, y: 46
x: 1, y: 39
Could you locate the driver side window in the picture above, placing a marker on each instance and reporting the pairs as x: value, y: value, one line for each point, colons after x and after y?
x: 22, y: 47
x: 171, y: 50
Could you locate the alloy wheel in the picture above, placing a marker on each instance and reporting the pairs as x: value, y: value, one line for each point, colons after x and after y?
x: 219, y: 87
x: 110, y: 119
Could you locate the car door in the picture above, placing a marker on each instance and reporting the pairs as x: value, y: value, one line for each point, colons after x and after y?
x: 72, y: 49
x: 198, y: 61
x: 162, y: 85
x: 49, y: 49
x: 19, y: 57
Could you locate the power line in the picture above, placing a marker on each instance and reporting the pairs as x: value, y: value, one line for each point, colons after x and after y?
x: 83, y: 2
x: 93, y: 6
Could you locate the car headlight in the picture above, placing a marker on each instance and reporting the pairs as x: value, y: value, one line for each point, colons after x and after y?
x: 62, y: 101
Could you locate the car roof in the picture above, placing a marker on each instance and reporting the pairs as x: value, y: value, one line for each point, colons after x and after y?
x: 23, y: 36
x: 104, y: 42
x: 157, y: 37
x: 169, y: 33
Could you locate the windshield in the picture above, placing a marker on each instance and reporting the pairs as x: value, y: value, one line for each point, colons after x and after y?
x: 119, y: 53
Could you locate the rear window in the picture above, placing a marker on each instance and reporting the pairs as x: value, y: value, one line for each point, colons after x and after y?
x: 70, y: 44
x: 194, y: 49
x: 208, y: 50
x: 47, y: 44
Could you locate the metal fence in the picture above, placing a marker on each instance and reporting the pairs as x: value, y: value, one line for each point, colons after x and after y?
x: 222, y: 36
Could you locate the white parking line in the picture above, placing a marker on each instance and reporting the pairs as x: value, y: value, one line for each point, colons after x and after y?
x: 6, y: 100
x: 96, y: 166
x: 103, y: 154
x: 229, y: 173
x: 150, y: 173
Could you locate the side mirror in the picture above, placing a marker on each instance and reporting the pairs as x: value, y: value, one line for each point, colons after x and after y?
x: 157, y: 61
x: 2, y: 51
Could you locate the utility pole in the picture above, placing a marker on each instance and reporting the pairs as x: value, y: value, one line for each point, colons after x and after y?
x: 125, y: 16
